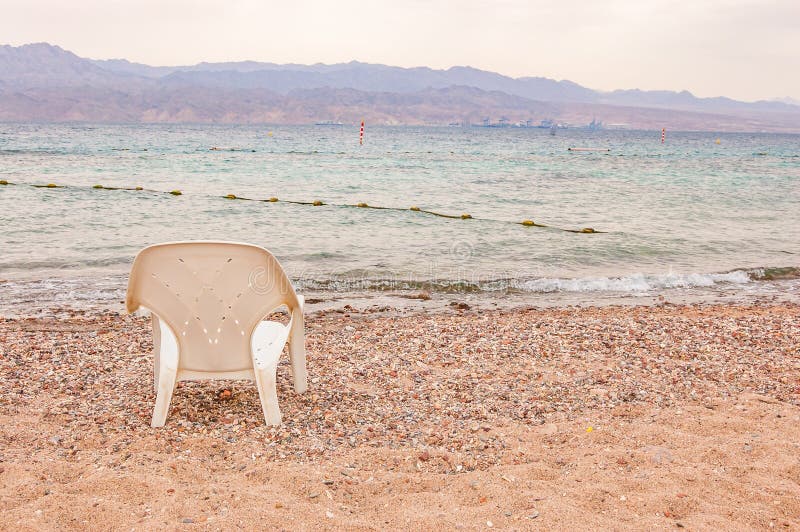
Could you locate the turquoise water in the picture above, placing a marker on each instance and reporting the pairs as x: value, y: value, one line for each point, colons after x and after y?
x: 689, y: 213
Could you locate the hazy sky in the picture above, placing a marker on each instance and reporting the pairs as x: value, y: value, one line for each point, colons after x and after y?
x: 746, y: 49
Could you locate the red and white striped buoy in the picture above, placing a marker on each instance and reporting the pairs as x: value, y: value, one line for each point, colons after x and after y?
x: 663, y: 134
x: 361, y: 135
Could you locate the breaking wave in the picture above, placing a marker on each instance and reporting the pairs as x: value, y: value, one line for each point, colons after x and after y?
x: 636, y: 283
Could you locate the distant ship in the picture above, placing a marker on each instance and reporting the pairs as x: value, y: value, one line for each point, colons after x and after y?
x: 552, y: 125
x: 503, y: 122
x: 328, y: 123
x: 594, y: 125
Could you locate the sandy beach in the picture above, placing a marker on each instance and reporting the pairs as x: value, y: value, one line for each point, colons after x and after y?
x: 647, y: 417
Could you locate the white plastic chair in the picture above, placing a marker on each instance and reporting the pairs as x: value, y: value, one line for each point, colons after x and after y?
x: 207, y: 301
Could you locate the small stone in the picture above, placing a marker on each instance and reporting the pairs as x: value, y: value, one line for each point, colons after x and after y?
x: 533, y: 515
x: 328, y: 514
x: 659, y: 455
x: 187, y: 520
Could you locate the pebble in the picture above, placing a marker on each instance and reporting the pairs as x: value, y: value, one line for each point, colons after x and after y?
x: 659, y: 455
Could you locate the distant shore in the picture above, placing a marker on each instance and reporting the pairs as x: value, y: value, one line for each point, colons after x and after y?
x: 45, y: 83
x: 616, y: 417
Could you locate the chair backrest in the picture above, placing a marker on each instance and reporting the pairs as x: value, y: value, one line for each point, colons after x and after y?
x: 212, y: 295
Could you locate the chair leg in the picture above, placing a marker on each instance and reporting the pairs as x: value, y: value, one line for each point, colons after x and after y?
x: 268, y: 393
x: 165, y: 368
x: 156, y: 350
x: 297, y: 353
x: 166, y: 386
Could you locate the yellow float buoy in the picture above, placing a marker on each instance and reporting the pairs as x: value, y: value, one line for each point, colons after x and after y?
x: 587, y: 230
x: 230, y: 196
x: 415, y: 208
x: 717, y: 141
x: 317, y: 203
x: 362, y: 205
x: 3, y: 182
x: 273, y: 199
x: 98, y: 186
x: 466, y: 216
x: 176, y: 192
x: 528, y: 223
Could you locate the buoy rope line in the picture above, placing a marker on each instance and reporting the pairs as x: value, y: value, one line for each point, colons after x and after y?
x: 317, y: 203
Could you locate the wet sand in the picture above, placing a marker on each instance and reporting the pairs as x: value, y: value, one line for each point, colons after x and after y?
x: 617, y: 417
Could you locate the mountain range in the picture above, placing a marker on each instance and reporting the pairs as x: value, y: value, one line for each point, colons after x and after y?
x: 42, y: 82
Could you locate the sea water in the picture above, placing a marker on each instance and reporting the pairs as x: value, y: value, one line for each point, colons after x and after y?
x: 702, y: 211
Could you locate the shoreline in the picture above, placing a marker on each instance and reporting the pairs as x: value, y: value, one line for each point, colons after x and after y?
x: 583, y: 417
x: 44, y: 299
